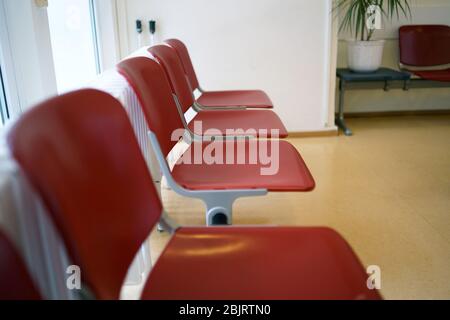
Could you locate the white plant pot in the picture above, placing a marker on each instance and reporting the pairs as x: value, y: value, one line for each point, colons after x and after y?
x: 365, y: 56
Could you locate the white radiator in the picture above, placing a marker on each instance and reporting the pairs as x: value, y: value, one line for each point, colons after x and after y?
x: 25, y: 220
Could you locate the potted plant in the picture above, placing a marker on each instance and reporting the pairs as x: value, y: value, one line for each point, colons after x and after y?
x: 362, y: 18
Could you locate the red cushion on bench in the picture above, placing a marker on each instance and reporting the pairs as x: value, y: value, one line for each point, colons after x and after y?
x: 435, y: 75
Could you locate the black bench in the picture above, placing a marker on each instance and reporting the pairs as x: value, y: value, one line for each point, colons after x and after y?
x: 384, y: 79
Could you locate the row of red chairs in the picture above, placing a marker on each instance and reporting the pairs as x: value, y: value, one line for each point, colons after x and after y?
x: 218, y: 99
x: 80, y: 154
x: 218, y: 185
x: 170, y: 58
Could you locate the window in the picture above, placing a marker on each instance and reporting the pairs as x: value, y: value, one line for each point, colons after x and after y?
x: 73, y: 33
x: 4, y: 114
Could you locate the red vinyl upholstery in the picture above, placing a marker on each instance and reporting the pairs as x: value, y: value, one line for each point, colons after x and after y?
x: 150, y: 85
x: 292, y: 173
x: 237, y: 119
x: 258, y: 264
x: 171, y: 64
x: 426, y: 46
x: 15, y: 281
x: 435, y: 75
x: 248, y: 98
x: 80, y: 153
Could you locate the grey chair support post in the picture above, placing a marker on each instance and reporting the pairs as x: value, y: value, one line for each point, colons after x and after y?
x: 219, y: 203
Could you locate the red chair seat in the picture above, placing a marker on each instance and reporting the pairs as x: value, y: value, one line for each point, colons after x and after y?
x: 434, y: 75
x: 240, y: 119
x: 258, y: 264
x: 247, y: 98
x: 292, y: 175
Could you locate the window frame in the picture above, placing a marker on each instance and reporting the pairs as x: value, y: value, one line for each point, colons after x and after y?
x: 10, y: 90
x: 108, y: 14
x: 4, y: 112
x: 109, y: 41
x: 95, y: 35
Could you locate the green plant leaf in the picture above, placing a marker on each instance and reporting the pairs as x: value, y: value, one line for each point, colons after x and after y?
x: 355, y: 14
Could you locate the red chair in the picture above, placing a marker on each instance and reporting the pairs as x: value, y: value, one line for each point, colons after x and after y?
x: 218, y: 99
x: 218, y: 185
x: 80, y: 153
x: 423, y: 49
x: 15, y: 281
x: 255, y: 121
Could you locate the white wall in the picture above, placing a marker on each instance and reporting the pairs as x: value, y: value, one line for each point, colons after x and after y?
x: 423, y: 12
x: 282, y: 47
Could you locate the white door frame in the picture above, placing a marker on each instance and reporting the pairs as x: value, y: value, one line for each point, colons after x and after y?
x: 111, y: 44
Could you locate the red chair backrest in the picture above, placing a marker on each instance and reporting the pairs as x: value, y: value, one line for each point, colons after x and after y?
x: 183, y: 54
x: 149, y: 82
x: 15, y: 281
x: 168, y: 58
x: 80, y: 154
x: 425, y: 45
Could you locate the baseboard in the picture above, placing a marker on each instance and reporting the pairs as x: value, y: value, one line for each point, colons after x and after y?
x: 314, y: 134
x: 378, y: 114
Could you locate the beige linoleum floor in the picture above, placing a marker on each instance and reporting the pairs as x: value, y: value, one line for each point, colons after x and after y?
x: 386, y: 190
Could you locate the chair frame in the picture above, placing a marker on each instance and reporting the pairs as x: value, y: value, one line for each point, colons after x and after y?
x: 192, y: 136
x: 198, y: 106
x: 219, y: 203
